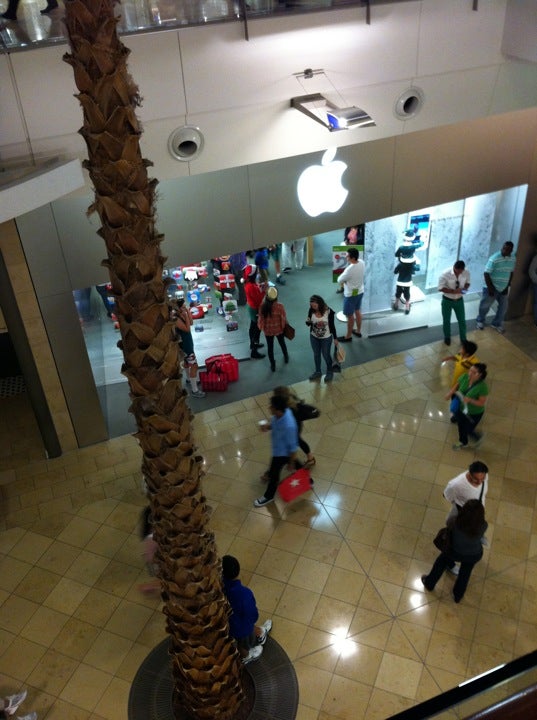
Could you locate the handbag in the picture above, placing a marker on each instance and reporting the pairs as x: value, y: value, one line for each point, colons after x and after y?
x: 289, y: 331
x: 443, y: 540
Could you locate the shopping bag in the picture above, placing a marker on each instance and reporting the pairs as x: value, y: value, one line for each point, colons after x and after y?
x: 225, y: 363
x: 295, y: 485
x: 213, y: 381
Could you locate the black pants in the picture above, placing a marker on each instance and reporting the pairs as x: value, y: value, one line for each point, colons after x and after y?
x: 443, y: 562
x: 254, y: 333
x: 270, y: 347
x: 467, y: 425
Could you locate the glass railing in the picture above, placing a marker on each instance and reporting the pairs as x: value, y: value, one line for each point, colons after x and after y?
x: 32, y: 29
x: 508, y: 691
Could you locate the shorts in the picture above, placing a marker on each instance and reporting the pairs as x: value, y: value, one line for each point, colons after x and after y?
x: 190, y: 360
x: 352, y: 304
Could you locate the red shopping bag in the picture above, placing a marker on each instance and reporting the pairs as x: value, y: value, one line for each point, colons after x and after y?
x: 213, y: 381
x: 225, y: 363
x: 295, y: 485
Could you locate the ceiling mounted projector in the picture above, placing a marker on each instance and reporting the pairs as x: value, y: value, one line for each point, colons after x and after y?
x: 318, y: 108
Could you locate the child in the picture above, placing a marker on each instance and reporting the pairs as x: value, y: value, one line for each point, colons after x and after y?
x: 150, y: 548
x: 249, y: 636
x: 463, y: 360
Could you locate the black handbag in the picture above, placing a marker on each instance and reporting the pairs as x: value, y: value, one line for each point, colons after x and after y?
x: 443, y: 540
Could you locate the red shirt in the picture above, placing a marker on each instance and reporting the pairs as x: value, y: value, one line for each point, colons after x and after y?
x: 254, y: 295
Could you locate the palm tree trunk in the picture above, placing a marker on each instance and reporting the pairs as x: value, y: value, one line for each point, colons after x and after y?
x: 205, y: 664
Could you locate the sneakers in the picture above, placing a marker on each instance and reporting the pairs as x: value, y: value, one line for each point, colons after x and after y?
x: 479, y: 326
x: 197, y: 393
x: 30, y: 716
x: 266, y: 628
x: 280, y: 280
x: 253, y: 654
x: 262, y: 501
x: 459, y: 446
x: 498, y: 329
x: 12, y: 702
x: 485, y: 542
x: 454, y: 570
x: 423, y: 580
x: 316, y: 375
x: 329, y: 377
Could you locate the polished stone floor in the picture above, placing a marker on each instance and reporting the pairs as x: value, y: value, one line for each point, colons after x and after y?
x: 338, y: 571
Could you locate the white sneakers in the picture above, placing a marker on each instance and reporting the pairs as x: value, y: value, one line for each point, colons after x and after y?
x: 253, y: 654
x: 12, y: 702
x: 266, y: 628
x: 256, y: 651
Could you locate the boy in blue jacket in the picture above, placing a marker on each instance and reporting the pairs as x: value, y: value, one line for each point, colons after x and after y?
x: 242, y: 621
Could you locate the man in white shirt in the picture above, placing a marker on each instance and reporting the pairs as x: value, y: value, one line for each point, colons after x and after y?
x: 453, y: 283
x: 352, y: 279
x: 470, y: 485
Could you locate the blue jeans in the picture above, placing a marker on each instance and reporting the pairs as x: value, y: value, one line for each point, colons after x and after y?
x: 486, y: 302
x: 321, y: 346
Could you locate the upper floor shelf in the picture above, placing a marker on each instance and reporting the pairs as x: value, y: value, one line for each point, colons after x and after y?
x: 33, y: 29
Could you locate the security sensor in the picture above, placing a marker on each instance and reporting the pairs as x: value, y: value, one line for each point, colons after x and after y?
x: 345, y: 118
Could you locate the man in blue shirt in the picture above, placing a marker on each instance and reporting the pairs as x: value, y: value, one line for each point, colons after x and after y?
x: 498, y: 274
x: 284, y: 445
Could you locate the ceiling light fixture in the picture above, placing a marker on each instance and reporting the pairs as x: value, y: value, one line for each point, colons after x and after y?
x: 332, y: 117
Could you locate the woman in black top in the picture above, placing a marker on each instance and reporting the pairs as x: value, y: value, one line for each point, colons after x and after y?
x: 467, y: 529
x: 320, y: 321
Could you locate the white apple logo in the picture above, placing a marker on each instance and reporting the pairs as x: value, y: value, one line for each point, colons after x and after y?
x: 319, y: 187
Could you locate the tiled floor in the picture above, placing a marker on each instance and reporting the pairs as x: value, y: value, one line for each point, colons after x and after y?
x: 337, y: 571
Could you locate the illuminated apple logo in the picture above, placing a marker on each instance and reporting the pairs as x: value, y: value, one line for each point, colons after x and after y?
x: 319, y: 187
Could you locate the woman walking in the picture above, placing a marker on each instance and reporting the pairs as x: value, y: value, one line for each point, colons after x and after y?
x: 322, y: 330
x: 271, y: 322
x: 467, y: 529
x: 472, y: 391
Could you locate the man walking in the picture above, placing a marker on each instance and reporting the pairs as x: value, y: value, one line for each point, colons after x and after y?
x: 470, y: 485
x: 498, y: 274
x: 352, y: 279
x: 284, y: 445
x: 453, y: 283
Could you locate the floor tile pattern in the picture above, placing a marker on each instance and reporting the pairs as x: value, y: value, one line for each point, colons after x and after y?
x: 338, y: 570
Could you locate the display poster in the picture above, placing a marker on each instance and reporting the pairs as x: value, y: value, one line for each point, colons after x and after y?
x: 339, y: 259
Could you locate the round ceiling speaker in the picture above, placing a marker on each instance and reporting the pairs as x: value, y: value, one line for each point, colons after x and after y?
x: 186, y: 143
x: 409, y: 103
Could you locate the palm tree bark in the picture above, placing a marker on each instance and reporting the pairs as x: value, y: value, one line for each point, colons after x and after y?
x: 205, y: 664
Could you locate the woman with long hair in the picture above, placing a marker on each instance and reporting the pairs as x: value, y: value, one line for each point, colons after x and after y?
x: 271, y: 321
x: 320, y: 321
x: 472, y: 391
x: 467, y: 529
